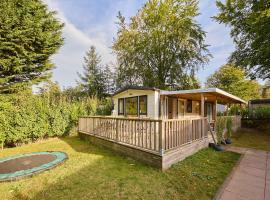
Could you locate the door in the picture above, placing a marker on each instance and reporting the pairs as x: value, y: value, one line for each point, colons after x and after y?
x: 180, y: 108
x: 209, y: 111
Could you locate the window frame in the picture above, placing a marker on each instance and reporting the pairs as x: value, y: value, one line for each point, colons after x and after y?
x: 146, y: 104
x: 125, y: 108
x: 121, y: 113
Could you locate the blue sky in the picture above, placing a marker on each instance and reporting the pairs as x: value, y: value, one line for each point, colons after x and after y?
x: 92, y: 22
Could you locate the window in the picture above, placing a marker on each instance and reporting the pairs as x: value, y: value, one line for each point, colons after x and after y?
x: 197, y: 107
x: 131, y: 106
x: 120, y: 106
x: 181, y: 107
x: 143, y: 105
x: 189, y: 106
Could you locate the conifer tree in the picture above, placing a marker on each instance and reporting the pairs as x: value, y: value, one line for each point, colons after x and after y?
x: 29, y: 35
x: 92, y: 78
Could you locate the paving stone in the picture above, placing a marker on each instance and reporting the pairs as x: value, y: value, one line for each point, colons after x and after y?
x: 267, y: 174
x: 257, y: 165
x: 267, y: 194
x: 240, y: 178
x: 251, y: 178
x: 252, y: 171
x: 227, y: 195
x: 245, y: 190
x: 257, y: 153
x: 255, y: 159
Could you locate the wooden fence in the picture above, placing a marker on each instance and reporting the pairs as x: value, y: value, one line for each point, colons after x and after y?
x: 157, y: 136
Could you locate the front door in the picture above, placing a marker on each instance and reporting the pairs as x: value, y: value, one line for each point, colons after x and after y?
x: 209, y: 111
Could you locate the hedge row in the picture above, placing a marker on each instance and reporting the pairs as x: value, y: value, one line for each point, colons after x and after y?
x: 26, y: 117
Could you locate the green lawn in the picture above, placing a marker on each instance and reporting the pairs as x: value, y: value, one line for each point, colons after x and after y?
x: 95, y: 173
x: 252, y: 138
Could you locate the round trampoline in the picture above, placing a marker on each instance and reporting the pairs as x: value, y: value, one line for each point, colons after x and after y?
x: 20, y: 166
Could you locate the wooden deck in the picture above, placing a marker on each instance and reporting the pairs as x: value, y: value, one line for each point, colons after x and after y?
x: 157, y: 137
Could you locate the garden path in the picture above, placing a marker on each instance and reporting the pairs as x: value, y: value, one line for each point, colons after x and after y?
x: 250, y: 179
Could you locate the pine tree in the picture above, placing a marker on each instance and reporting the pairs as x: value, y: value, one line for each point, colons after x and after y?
x: 29, y: 35
x: 92, y: 79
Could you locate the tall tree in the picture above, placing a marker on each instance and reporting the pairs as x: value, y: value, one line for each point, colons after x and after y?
x: 233, y: 80
x: 92, y: 78
x: 162, y: 46
x: 250, y: 24
x: 29, y: 35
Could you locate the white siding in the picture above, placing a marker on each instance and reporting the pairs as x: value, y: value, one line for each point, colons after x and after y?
x: 152, y: 101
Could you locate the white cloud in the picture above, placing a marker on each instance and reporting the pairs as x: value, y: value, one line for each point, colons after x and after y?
x: 69, y: 59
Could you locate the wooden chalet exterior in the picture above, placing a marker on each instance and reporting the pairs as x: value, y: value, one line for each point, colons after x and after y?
x: 158, y: 127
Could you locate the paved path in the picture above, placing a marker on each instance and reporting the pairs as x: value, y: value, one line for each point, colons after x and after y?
x: 250, y: 179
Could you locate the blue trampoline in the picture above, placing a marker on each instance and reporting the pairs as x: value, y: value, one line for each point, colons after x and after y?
x: 20, y: 166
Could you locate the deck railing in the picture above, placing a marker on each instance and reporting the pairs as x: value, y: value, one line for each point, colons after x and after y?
x: 157, y: 136
x: 183, y: 131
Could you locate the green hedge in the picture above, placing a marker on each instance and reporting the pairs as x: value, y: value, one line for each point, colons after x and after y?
x: 26, y: 117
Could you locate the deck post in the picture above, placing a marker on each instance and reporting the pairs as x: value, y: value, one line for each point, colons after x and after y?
x: 202, y: 112
x: 116, y: 132
x: 161, y: 137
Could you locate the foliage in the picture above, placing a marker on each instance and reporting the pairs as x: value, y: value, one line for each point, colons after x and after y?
x: 232, y: 80
x: 162, y: 46
x: 220, y: 127
x: 260, y: 112
x: 92, y: 80
x: 96, y: 80
x: 26, y: 117
x: 229, y: 123
x: 29, y: 35
x: 250, y: 25
x: 236, y: 109
x: 117, y: 177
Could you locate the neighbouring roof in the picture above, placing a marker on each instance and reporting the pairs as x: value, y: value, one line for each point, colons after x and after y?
x: 135, y: 88
x: 259, y: 101
x: 221, y: 94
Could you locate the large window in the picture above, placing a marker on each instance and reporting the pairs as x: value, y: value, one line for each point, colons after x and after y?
x: 143, y: 105
x: 132, y: 106
x: 120, y: 106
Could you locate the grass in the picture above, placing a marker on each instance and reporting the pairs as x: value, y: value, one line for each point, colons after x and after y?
x: 96, y: 173
x: 251, y: 138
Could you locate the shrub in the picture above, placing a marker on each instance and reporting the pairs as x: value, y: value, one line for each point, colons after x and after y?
x: 261, y: 112
x: 26, y: 117
x: 229, y: 123
x: 220, y: 127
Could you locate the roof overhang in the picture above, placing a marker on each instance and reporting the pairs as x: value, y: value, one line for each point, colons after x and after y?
x: 135, y: 88
x: 210, y: 94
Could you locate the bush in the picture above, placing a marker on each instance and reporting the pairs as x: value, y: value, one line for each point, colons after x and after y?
x: 261, y: 112
x: 229, y: 123
x: 220, y: 127
x: 26, y: 117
